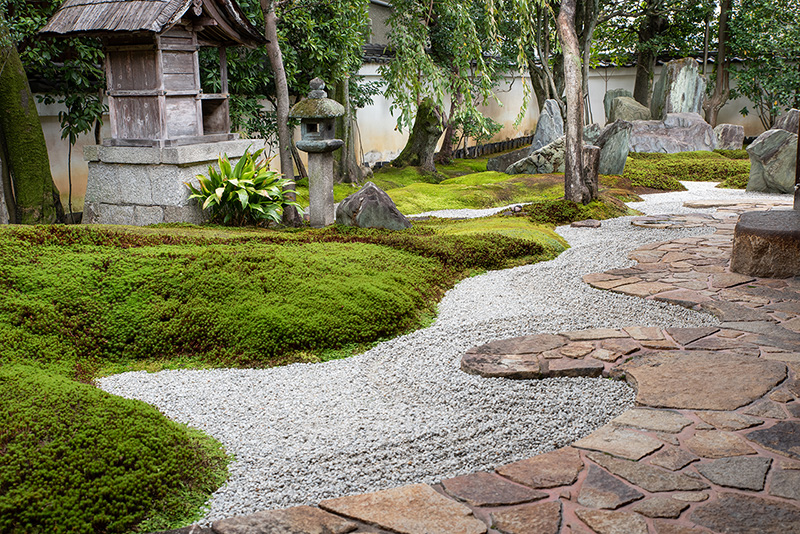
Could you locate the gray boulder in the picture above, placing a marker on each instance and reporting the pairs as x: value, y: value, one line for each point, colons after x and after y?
x: 547, y: 159
x: 591, y: 132
x: 614, y: 143
x: 679, y: 89
x: 789, y: 121
x: 609, y: 97
x: 773, y: 156
x: 370, y: 207
x: 679, y: 132
x: 500, y: 163
x: 729, y: 136
x: 625, y: 108
x: 550, y: 126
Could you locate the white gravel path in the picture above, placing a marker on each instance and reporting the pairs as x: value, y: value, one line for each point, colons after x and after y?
x: 403, y: 412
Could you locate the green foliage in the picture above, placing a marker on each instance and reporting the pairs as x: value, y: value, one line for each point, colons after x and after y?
x: 733, y: 154
x: 76, y: 459
x: 248, y: 193
x: 765, y: 33
x: 663, y: 171
x: 562, y: 211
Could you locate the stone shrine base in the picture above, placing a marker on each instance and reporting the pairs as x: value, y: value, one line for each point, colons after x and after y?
x: 767, y: 244
x: 143, y: 185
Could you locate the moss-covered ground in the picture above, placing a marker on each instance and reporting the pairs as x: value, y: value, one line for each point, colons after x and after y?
x: 662, y: 172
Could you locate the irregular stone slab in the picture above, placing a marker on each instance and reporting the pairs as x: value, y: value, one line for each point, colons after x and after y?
x: 620, y: 442
x: 611, y: 284
x: 521, y: 345
x: 415, y: 509
x: 782, y: 396
x: 683, y: 297
x: 606, y: 355
x: 724, y: 280
x: 370, y: 207
x: 572, y: 368
x: 719, y: 343
x: 664, y: 527
x: 517, y: 367
x: 684, y: 336
x: 765, y: 243
x: 556, y: 468
x: 785, y: 483
x: 604, y: 522
x: 741, y: 473
x: 643, y: 289
x: 640, y: 333
x: 765, y: 408
x: 749, y: 514
x: 486, y: 489
x: 544, y: 518
x: 718, y: 444
x: 729, y: 420
x: 625, y: 108
x: 691, y: 496
x: 300, y: 520
x: 673, y: 458
x: 679, y: 89
x: 679, y: 132
x: 646, y: 476
x: 549, y: 127
x: 577, y: 350
x: 783, y: 438
x: 601, y: 490
x: 657, y: 420
x: 621, y: 346
x: 701, y: 380
x: 772, y: 162
x: 729, y: 136
x: 730, y: 311
x: 594, y: 333
x: 660, y: 507
x: 587, y: 223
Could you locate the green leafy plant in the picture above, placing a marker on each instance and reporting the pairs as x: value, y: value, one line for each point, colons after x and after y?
x: 248, y: 193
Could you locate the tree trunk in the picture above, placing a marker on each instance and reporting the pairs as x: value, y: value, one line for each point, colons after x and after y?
x: 37, y: 198
x: 345, y: 163
x: 446, y: 153
x: 651, y: 26
x: 421, y: 145
x: 574, y: 188
x: 722, y: 86
x: 290, y: 214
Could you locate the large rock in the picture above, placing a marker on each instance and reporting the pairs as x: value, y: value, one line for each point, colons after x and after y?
x: 370, y: 207
x: 773, y: 157
x: 729, y: 136
x: 609, y: 97
x: 679, y: 89
x: 614, y: 143
x: 591, y: 133
x: 767, y: 244
x: 789, y: 121
x: 500, y: 163
x: 545, y: 160
x: 550, y: 126
x: 679, y: 132
x: 625, y: 108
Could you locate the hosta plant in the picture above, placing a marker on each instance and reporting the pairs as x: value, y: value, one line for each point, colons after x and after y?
x: 248, y: 193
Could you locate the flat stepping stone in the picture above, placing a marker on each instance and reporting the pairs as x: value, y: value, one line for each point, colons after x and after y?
x: 673, y: 458
x: 718, y: 444
x: 783, y: 438
x: 300, y: 519
x: 655, y: 420
x: 660, y: 507
x: 487, y: 489
x: 741, y: 473
x: 621, y: 442
x: 549, y: 470
x: 701, y: 380
x: 415, y: 509
x: 544, y: 518
x: 607, y: 522
x: 729, y: 420
x: 519, y: 367
x: 521, y: 345
x: 601, y: 490
x: 684, y: 336
x: 748, y: 514
x: 785, y: 483
x: 646, y: 476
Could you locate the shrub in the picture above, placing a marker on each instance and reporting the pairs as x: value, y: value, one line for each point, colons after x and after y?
x: 248, y: 193
x: 76, y: 459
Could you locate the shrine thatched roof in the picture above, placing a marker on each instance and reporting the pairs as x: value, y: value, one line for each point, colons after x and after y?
x: 223, y: 22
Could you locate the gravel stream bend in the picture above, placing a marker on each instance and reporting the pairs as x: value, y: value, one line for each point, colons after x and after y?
x: 403, y: 412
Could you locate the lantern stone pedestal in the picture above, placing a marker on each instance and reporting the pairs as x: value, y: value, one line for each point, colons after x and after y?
x: 320, y: 188
x: 141, y: 186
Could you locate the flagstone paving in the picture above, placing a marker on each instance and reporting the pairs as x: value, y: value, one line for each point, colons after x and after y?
x: 712, y: 446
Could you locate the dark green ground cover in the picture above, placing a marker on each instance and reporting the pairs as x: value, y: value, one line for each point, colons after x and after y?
x: 663, y: 171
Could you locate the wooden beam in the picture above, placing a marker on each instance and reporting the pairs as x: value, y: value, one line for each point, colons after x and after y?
x: 223, y: 70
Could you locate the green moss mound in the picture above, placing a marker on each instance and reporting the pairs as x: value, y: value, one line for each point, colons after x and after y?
x: 665, y: 171
x: 75, y: 459
x: 562, y: 211
x: 733, y: 154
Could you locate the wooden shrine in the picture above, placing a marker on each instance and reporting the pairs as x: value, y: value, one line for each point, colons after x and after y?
x: 152, y: 65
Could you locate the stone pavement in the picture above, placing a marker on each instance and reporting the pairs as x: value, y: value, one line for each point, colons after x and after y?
x: 713, y: 444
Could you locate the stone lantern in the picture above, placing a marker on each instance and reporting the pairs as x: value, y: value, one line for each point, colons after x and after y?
x: 317, y: 115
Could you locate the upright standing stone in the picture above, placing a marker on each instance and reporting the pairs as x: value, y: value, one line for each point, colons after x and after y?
x: 318, y: 128
x: 679, y: 89
x: 370, y: 207
x: 729, y: 136
x: 789, y: 121
x: 550, y: 126
x: 614, y: 143
x: 609, y: 97
x: 773, y: 156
